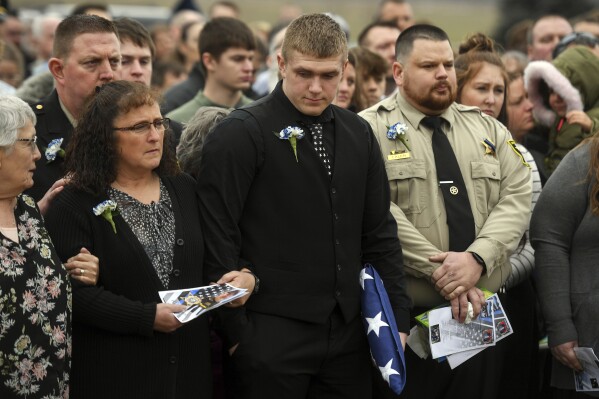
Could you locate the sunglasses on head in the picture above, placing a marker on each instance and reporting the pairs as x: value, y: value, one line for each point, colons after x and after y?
x: 582, y: 38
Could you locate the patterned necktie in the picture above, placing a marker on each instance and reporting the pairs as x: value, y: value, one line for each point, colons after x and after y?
x: 318, y: 140
x: 460, y: 220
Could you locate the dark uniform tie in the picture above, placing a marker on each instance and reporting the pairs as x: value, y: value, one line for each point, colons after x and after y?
x: 318, y: 140
x: 460, y: 220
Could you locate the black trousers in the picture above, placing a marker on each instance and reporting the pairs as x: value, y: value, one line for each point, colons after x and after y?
x: 280, y: 358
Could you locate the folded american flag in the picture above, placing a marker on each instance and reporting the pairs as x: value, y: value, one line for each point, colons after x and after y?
x: 381, y: 330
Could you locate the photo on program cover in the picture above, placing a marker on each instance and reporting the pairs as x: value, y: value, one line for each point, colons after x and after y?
x: 201, y: 299
x: 503, y: 328
x: 448, y: 336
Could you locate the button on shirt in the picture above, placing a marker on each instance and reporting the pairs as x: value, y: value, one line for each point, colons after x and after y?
x: 498, y: 187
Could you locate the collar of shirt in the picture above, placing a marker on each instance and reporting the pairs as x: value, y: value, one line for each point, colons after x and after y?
x: 414, y: 116
x: 69, y: 116
x: 201, y: 98
x: 295, y: 114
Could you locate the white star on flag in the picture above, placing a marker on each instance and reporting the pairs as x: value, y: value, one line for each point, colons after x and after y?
x: 375, y: 324
x: 387, y: 371
x: 384, y: 344
x: 364, y: 276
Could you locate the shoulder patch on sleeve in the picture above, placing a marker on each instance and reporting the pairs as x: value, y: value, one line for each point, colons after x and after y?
x: 512, y: 144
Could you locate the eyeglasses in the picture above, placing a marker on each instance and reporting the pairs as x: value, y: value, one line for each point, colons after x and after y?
x: 30, y: 142
x: 582, y: 38
x: 144, y: 127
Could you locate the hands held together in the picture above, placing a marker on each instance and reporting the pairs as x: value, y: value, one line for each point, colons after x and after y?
x: 455, y: 279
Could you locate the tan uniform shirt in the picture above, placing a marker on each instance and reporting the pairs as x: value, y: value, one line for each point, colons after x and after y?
x: 498, y: 185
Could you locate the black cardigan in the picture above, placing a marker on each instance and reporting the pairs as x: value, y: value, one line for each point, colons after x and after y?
x: 116, y: 353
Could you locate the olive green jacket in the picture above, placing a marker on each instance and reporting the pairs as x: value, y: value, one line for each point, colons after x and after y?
x: 574, y: 76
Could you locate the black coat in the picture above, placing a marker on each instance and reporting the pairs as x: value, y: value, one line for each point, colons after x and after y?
x: 116, y: 352
x: 52, y: 123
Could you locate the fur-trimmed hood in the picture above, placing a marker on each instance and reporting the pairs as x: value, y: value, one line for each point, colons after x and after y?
x: 573, y: 75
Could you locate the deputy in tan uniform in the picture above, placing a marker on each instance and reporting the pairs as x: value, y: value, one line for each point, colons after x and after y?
x: 497, y: 181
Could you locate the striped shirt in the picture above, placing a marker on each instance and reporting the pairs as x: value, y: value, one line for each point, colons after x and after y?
x: 523, y: 260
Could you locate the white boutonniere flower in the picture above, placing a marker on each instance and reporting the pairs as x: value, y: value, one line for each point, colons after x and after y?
x: 291, y: 133
x: 54, y: 150
x: 107, y: 209
x: 398, y: 132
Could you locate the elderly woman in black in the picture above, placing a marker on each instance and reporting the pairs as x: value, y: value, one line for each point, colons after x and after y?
x: 128, y: 202
x: 35, y: 291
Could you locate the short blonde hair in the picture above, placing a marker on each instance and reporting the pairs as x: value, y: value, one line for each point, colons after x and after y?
x: 316, y: 35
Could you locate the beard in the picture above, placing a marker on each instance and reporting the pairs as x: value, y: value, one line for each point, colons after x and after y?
x: 431, y: 99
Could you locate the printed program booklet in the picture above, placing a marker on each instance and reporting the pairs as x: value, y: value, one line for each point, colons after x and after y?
x: 491, y: 325
x: 503, y: 328
x: 448, y: 336
x: 200, y: 300
x: 588, y: 379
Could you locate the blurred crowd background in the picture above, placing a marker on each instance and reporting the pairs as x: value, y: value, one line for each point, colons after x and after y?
x: 457, y: 18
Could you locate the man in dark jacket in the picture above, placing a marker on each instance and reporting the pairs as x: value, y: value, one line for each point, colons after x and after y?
x: 295, y: 189
x: 86, y: 54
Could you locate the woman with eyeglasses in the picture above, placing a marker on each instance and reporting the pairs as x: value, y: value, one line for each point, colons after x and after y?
x: 128, y: 202
x: 35, y: 286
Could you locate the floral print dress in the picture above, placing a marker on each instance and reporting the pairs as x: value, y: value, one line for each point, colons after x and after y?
x: 35, y: 312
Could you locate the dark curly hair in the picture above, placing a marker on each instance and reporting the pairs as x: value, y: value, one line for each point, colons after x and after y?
x: 91, y: 156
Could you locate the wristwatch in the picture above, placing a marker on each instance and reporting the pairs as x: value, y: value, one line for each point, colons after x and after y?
x: 480, y: 261
x: 257, y: 281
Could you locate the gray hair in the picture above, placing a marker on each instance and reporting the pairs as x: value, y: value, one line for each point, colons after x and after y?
x: 14, y: 115
x: 189, y: 150
x: 37, y: 24
x: 519, y: 57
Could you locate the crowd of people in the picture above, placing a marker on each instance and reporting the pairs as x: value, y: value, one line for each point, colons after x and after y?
x: 280, y: 159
